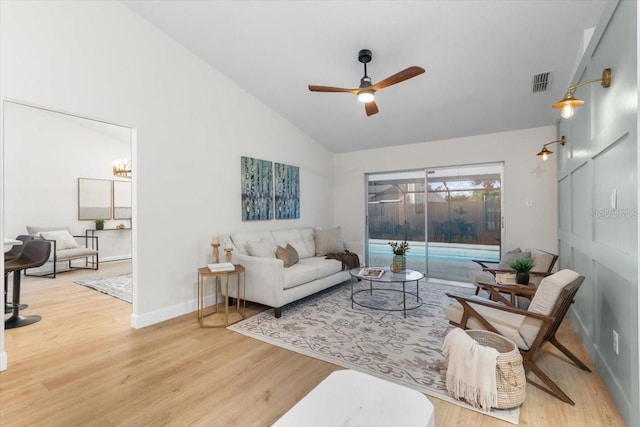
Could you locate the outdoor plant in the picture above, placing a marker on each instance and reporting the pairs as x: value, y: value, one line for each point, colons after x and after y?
x: 522, y: 265
x: 399, y: 248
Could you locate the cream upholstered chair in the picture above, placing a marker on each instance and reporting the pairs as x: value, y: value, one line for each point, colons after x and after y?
x: 543, y: 263
x: 529, y: 329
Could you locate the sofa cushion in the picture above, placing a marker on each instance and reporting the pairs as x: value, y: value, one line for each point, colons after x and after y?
x: 263, y: 248
x: 288, y: 255
x: 328, y: 241
x: 64, y: 239
x: 324, y: 267
x: 241, y: 238
x: 32, y: 230
x: 298, y: 274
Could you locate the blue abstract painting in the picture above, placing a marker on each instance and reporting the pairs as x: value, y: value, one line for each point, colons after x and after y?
x: 287, y: 189
x: 257, y: 189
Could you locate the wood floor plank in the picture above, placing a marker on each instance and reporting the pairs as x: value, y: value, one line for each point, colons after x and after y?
x: 83, y: 365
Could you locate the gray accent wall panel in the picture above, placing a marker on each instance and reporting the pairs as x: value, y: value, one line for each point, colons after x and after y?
x: 598, y: 205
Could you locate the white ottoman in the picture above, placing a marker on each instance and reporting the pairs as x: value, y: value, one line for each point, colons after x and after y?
x: 350, y: 398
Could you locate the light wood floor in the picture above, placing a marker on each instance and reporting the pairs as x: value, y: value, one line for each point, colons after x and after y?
x: 83, y: 365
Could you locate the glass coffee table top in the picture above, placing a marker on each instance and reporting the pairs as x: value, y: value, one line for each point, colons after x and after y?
x: 387, y: 276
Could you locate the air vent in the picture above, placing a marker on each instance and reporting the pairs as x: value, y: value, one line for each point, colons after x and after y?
x: 541, y: 82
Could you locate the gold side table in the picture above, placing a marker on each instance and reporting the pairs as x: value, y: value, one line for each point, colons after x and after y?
x: 221, y: 319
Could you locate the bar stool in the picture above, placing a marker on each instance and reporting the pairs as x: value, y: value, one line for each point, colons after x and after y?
x: 11, y: 254
x: 34, y: 254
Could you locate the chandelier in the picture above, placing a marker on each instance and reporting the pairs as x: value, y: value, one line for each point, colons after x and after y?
x: 122, y: 168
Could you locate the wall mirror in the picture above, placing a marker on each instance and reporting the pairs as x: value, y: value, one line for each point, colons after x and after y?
x: 94, y: 198
x: 121, y: 199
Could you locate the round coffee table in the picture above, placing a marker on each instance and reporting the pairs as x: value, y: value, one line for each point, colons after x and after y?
x: 387, y: 279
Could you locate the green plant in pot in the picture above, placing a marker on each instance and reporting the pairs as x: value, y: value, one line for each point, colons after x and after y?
x: 99, y: 224
x: 399, y: 259
x: 522, y: 266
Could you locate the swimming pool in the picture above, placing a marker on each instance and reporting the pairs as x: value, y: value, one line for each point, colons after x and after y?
x: 448, y: 261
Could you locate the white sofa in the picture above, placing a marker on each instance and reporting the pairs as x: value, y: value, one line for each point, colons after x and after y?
x: 267, y: 279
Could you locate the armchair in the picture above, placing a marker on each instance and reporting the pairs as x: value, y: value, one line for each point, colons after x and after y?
x: 529, y: 329
x: 65, y: 248
x: 543, y: 263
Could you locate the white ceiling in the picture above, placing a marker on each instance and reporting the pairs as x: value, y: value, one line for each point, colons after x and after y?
x: 479, y: 58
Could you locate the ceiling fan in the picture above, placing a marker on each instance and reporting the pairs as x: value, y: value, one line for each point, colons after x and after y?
x: 366, y: 91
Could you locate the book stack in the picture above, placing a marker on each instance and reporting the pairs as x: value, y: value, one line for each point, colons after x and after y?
x: 221, y: 266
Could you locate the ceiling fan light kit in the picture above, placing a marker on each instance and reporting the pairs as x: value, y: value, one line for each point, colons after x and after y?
x: 366, y: 91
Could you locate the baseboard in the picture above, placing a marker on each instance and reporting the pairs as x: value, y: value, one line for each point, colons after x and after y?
x: 158, y: 316
x: 3, y: 361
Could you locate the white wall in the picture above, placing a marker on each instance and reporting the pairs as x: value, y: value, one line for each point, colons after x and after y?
x: 526, y: 176
x: 44, y: 155
x: 192, y: 124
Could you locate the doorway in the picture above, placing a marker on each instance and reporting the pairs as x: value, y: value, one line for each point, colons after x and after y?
x: 47, y: 155
x: 448, y: 215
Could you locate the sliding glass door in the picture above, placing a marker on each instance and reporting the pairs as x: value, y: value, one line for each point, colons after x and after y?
x: 449, y: 216
x: 464, y: 211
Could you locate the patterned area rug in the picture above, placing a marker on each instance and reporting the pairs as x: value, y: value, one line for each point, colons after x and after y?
x: 381, y: 343
x: 117, y: 286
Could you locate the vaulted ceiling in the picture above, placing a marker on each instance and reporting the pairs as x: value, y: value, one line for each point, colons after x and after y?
x: 479, y: 56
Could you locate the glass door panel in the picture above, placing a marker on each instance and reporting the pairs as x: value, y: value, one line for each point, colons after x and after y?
x: 396, y: 212
x: 464, y: 212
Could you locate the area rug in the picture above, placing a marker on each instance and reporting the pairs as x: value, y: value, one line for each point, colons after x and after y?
x: 380, y: 343
x: 118, y: 286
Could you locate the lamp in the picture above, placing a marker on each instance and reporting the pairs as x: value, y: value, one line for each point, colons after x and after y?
x: 122, y: 168
x: 366, y: 95
x: 569, y: 101
x: 545, y: 151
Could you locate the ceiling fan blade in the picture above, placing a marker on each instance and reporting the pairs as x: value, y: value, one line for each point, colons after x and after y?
x: 371, y: 108
x: 314, y: 88
x: 399, y: 77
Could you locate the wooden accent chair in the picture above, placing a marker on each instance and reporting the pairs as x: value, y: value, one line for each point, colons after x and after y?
x: 529, y: 329
x: 543, y: 263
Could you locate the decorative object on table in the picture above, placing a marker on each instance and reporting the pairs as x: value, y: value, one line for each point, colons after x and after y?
x: 99, y: 224
x: 505, y: 278
x: 215, y: 244
x: 522, y: 266
x: 367, y: 273
x: 368, y: 340
x: 120, y: 227
x: 399, y: 262
x: 228, y: 249
x: 256, y: 182
x: 287, y: 191
x: 221, y: 266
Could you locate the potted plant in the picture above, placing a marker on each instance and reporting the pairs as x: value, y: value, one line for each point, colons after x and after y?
x: 399, y: 259
x: 522, y: 266
x: 99, y: 224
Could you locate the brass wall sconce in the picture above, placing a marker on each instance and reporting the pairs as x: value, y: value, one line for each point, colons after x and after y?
x: 569, y: 101
x: 545, y: 151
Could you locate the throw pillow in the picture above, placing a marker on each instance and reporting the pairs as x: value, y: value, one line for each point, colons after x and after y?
x: 288, y: 255
x: 328, y: 241
x: 64, y: 239
x: 509, y: 257
x: 262, y: 248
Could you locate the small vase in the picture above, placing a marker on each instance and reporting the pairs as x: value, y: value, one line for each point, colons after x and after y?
x: 522, y: 277
x: 399, y: 263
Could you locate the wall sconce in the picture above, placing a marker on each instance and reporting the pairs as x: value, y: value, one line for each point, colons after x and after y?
x: 569, y: 102
x: 545, y: 151
x: 122, y: 168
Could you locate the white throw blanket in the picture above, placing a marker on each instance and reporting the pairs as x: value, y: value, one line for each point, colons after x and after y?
x: 471, y: 374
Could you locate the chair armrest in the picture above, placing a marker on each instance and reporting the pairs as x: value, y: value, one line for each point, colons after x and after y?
x: 483, y: 263
x: 464, y: 301
x: 519, y: 290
